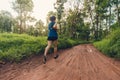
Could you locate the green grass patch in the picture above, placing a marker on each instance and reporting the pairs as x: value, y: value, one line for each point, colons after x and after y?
x: 110, y: 45
x: 15, y: 47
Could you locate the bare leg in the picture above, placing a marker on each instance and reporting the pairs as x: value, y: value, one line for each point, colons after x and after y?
x: 55, y: 46
x: 55, y: 49
x: 47, y: 48
x: 46, y: 51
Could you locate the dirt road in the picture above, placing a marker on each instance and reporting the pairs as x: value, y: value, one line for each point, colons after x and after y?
x: 83, y: 62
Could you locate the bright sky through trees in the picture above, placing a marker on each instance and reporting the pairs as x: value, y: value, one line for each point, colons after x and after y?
x: 41, y: 8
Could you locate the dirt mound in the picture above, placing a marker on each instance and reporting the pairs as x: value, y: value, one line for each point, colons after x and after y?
x: 83, y: 62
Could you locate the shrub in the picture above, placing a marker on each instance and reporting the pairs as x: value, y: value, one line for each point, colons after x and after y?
x: 14, y: 47
x: 110, y: 45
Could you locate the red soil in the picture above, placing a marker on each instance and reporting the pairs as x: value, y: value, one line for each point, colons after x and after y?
x: 83, y: 62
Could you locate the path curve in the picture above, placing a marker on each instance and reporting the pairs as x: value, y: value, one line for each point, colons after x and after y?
x: 82, y: 62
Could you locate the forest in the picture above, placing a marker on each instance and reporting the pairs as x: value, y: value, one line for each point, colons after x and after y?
x: 80, y: 21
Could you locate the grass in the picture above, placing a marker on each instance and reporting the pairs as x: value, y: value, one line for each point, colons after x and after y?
x: 16, y: 47
x: 110, y: 45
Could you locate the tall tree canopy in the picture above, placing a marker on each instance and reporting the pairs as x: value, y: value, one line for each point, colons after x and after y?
x: 6, y: 21
x: 23, y: 8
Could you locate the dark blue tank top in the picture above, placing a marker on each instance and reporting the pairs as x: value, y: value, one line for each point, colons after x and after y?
x: 52, y: 32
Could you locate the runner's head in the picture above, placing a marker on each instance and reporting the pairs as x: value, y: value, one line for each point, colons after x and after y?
x: 52, y: 18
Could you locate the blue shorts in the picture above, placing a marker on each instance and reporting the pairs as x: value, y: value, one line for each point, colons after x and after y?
x: 52, y: 38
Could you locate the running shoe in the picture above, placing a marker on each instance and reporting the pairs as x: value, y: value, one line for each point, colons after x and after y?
x: 44, y: 59
x: 55, y: 57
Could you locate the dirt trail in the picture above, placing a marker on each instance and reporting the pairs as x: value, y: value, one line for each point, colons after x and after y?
x: 83, y: 62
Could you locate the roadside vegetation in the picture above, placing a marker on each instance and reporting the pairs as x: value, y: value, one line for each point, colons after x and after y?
x: 111, y: 44
x: 15, y: 47
x: 97, y: 21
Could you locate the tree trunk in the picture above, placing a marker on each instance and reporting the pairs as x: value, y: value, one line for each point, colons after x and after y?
x: 109, y: 16
x: 97, y: 26
x: 20, y: 26
x: 117, y: 8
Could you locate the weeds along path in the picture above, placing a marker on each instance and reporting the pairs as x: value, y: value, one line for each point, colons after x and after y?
x: 83, y: 62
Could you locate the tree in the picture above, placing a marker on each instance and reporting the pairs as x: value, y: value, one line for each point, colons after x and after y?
x: 59, y: 6
x: 77, y: 28
x: 99, y: 14
x: 39, y: 27
x: 6, y: 21
x: 23, y: 8
x: 30, y: 30
x: 117, y: 10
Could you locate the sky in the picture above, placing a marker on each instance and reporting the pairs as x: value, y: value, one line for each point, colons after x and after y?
x: 41, y: 8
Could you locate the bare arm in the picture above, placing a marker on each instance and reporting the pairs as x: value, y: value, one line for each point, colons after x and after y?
x: 55, y: 26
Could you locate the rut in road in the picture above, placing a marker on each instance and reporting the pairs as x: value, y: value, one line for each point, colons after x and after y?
x: 82, y: 62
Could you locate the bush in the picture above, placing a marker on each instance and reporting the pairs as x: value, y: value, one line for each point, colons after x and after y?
x: 110, y: 45
x: 115, y: 44
x: 14, y: 47
x: 103, y: 46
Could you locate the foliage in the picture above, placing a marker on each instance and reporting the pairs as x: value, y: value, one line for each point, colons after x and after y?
x: 59, y: 6
x: 114, y: 26
x: 14, y: 47
x: 101, y: 14
x: 40, y: 28
x: 23, y: 8
x: 6, y: 21
x: 77, y: 28
x: 110, y: 45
